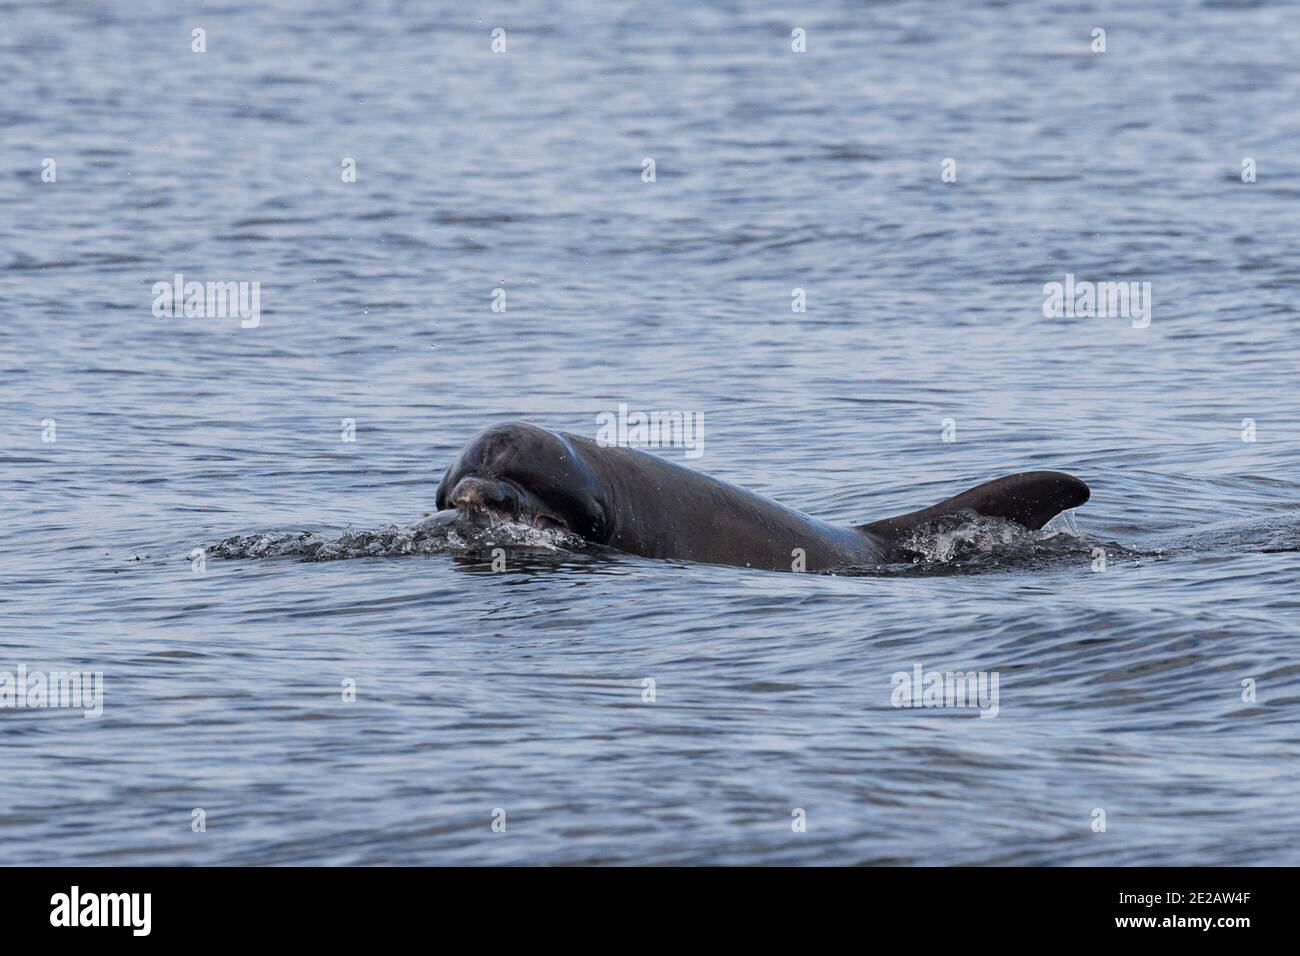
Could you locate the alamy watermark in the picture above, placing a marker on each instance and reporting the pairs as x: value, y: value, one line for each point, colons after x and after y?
x: 211, y: 300
x: 75, y: 908
x: 657, y: 429
x: 57, y: 689
x: 922, y: 688
x: 1105, y: 300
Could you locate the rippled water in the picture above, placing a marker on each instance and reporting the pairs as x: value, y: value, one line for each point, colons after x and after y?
x: 522, y: 690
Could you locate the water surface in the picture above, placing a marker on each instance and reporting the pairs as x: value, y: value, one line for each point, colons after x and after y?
x: 1120, y: 690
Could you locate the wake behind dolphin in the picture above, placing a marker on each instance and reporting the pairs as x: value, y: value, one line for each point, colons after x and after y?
x: 635, y: 502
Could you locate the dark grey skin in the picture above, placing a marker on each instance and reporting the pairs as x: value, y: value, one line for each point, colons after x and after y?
x: 642, y: 504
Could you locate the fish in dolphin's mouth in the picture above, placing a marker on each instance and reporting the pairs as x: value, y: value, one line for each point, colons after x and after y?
x: 476, y: 496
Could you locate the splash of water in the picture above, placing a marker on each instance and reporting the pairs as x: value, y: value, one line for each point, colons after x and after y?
x: 443, y: 533
x: 960, y: 543
x: 970, y: 543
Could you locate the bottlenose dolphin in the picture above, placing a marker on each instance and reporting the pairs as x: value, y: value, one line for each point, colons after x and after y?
x: 636, y: 502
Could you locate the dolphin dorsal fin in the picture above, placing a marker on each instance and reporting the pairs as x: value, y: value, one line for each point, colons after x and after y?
x: 1032, y: 499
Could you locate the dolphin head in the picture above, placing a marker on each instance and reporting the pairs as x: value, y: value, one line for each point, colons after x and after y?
x: 525, y: 473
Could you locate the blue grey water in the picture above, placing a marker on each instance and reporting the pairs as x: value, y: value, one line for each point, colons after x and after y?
x: 1158, y: 697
